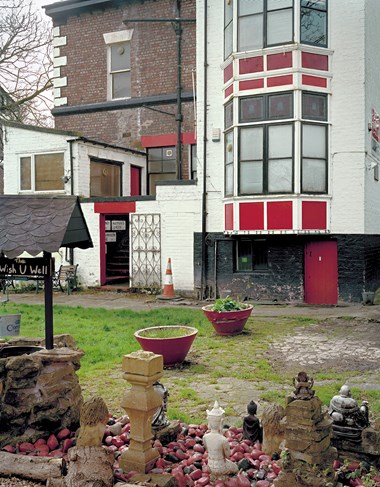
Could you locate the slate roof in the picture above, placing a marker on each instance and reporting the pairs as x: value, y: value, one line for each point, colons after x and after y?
x: 37, y: 223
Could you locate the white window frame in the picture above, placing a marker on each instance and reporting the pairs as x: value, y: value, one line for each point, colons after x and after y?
x: 110, y: 39
x: 33, y: 172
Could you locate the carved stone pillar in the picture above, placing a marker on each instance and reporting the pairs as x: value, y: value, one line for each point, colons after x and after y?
x: 141, y: 370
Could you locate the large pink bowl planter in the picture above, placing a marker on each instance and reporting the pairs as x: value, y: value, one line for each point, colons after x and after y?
x: 228, y: 322
x: 173, y: 349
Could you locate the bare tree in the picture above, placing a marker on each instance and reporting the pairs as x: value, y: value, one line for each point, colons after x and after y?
x: 25, y: 63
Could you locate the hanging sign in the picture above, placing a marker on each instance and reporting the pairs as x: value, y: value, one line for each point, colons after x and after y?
x: 36, y: 267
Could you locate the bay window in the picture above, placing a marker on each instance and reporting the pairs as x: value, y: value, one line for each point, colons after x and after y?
x: 314, y: 158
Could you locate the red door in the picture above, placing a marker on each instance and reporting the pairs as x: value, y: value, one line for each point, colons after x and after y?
x: 321, y: 272
x: 135, y: 181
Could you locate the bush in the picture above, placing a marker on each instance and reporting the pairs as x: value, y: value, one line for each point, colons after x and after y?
x: 227, y: 304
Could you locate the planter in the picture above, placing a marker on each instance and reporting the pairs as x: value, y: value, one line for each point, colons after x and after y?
x: 228, y: 322
x: 173, y: 348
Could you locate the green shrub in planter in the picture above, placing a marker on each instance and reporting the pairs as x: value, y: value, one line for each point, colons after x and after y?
x: 227, y: 304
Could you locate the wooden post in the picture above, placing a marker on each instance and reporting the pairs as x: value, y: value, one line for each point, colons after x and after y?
x: 49, y: 328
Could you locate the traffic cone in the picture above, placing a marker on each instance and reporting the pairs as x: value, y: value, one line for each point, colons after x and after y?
x: 168, y: 287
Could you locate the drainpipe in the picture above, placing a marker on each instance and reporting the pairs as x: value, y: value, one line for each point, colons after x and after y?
x: 204, y: 191
x: 179, y: 118
x: 71, y: 251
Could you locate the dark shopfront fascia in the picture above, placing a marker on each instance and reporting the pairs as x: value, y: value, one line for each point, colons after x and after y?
x: 282, y: 276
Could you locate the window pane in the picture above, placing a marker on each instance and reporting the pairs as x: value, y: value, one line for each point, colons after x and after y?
x: 313, y: 27
x: 314, y: 175
x: 26, y: 173
x: 121, y: 85
x: 260, y: 254
x: 154, y: 166
x: 251, y: 109
x: 276, y: 4
x: 169, y: 153
x: 155, y: 154
x: 281, y: 106
x: 228, y: 41
x: 104, y: 179
x: 317, y: 4
x: 229, y: 147
x: 250, y: 33
x: 280, y: 141
x: 314, y: 106
x: 244, y: 257
x: 279, y: 26
x: 280, y: 175
x: 120, y: 57
x: 228, y: 115
x: 48, y: 172
x: 314, y: 141
x: 251, y: 177
x: 246, y: 7
x: 229, y: 182
x: 228, y: 12
x: 251, y: 143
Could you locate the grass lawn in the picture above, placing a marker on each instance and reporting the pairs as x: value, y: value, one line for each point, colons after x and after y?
x: 214, y: 363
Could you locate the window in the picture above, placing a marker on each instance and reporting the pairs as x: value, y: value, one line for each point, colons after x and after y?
x: 119, y: 64
x: 229, y: 163
x: 228, y: 115
x: 266, y: 150
x: 314, y: 22
x: 228, y: 29
x: 42, y: 172
x: 251, y: 254
x: 263, y: 23
x: 105, y: 178
x: 314, y: 106
x: 161, y: 166
x: 193, y: 152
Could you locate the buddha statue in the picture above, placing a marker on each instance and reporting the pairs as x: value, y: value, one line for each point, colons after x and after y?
x: 303, y: 386
x: 348, y: 418
x: 251, y: 424
x: 217, y: 445
x: 160, y: 420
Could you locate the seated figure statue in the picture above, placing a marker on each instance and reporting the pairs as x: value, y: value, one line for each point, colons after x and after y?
x: 348, y: 418
x: 303, y: 385
x: 160, y: 420
x: 251, y: 425
x: 217, y: 445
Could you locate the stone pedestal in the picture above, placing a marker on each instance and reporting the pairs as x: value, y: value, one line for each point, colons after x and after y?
x: 366, y: 449
x: 141, y: 370
x: 308, y: 455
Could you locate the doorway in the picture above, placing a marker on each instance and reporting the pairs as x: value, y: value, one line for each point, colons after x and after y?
x: 117, y: 249
x: 321, y: 272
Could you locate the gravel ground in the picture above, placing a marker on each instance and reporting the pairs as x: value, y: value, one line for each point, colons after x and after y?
x: 14, y: 482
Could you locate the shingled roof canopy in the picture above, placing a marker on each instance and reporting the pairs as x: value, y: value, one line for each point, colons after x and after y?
x: 41, y: 223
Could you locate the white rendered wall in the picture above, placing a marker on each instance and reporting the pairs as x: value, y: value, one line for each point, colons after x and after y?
x: 372, y: 100
x: 348, y: 117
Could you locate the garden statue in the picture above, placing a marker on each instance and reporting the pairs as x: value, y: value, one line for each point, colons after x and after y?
x: 303, y: 386
x: 251, y: 425
x: 93, y: 420
x: 348, y: 418
x: 160, y: 420
x: 217, y: 445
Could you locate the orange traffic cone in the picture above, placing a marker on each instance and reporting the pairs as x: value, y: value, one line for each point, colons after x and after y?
x: 168, y: 287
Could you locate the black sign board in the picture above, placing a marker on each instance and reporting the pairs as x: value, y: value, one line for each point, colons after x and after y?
x: 20, y: 267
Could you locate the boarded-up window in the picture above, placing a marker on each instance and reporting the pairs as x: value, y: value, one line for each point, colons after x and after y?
x: 105, y: 179
x: 42, y: 172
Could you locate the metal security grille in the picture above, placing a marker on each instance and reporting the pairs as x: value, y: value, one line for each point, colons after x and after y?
x: 146, y: 251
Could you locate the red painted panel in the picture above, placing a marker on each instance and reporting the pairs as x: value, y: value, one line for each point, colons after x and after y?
x: 321, y: 272
x: 229, y: 216
x: 115, y: 207
x: 228, y: 72
x: 314, y: 215
x: 314, y: 81
x: 279, y: 61
x: 166, y: 140
x: 252, y: 84
x: 135, y: 181
x: 315, y: 61
x: 228, y: 91
x: 251, y: 216
x: 280, y: 80
x: 251, y: 65
x: 279, y: 215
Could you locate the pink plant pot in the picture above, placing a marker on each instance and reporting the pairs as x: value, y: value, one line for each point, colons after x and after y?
x: 228, y: 322
x: 173, y: 349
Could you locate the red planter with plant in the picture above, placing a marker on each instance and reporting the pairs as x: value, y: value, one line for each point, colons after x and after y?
x: 228, y: 317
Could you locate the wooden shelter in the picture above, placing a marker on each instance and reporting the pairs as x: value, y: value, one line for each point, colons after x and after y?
x: 39, y: 224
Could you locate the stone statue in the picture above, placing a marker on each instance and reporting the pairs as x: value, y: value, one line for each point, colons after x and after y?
x: 251, y: 425
x: 93, y: 420
x: 303, y: 386
x: 160, y: 420
x: 217, y: 445
x: 348, y: 418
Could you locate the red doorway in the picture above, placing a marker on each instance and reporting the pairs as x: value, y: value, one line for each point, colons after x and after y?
x: 135, y: 181
x: 321, y: 272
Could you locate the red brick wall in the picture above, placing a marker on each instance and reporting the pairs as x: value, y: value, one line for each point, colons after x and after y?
x: 153, y: 71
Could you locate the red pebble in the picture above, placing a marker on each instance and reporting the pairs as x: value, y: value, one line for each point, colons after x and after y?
x: 63, y: 434
x: 232, y: 482
x: 256, y: 454
x: 264, y: 458
x: 9, y: 448
x: 39, y: 442
x: 67, y: 443
x: 26, y: 447
x: 56, y: 454
x: 202, y: 482
x: 196, y: 474
x: 263, y: 483
x: 43, y: 451
x: 117, y: 441
x: 189, y: 480
x: 243, y: 480
x: 52, y: 442
x: 276, y: 468
x: 190, y: 442
x: 198, y: 448
x: 180, y: 478
x: 180, y: 454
